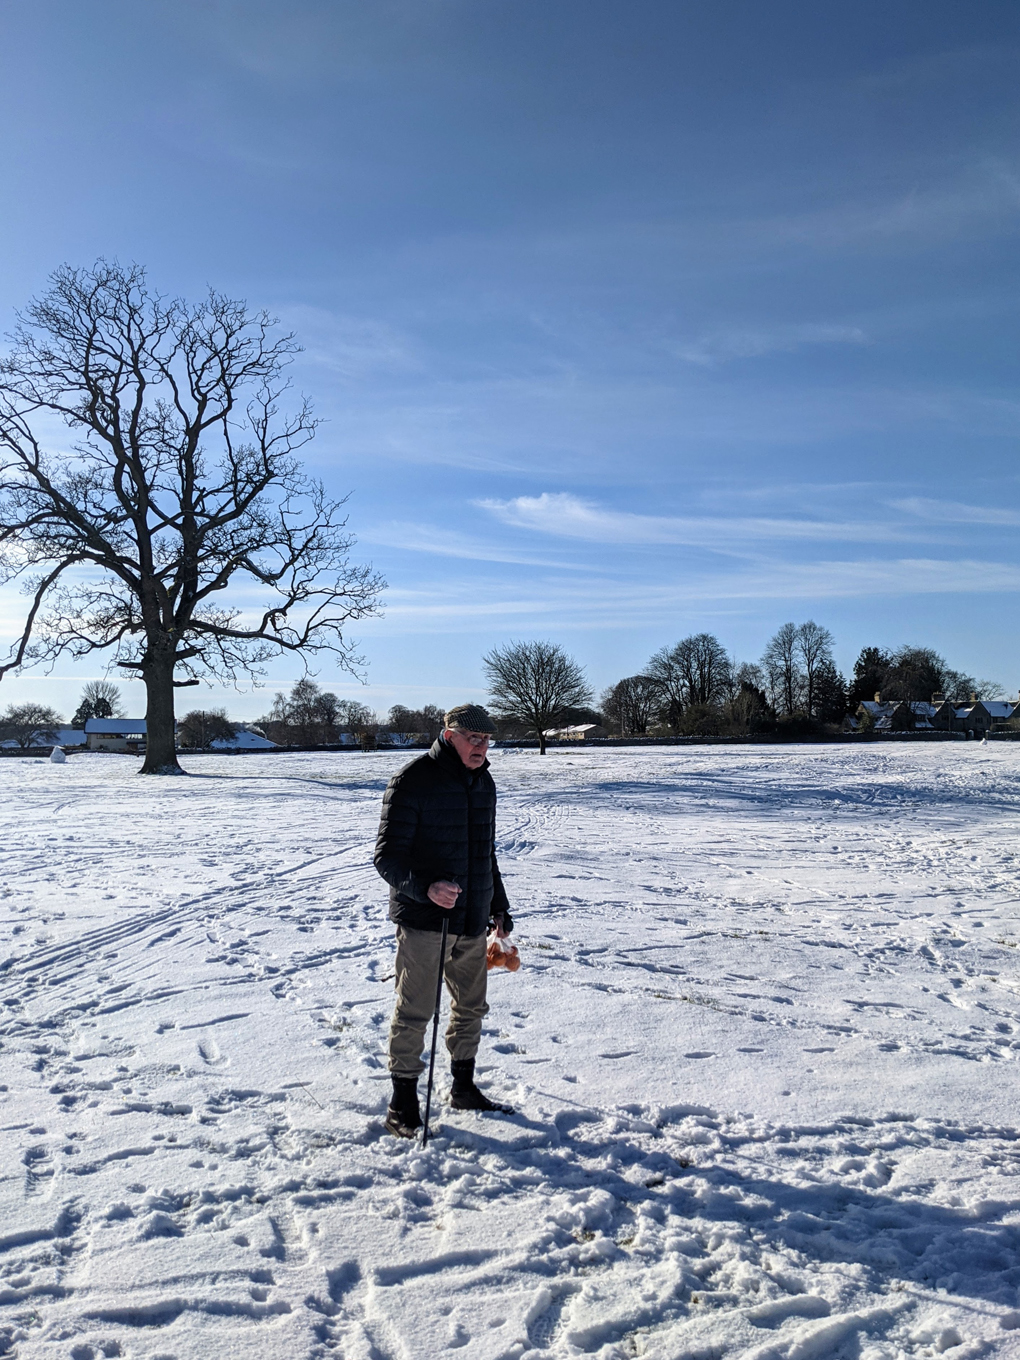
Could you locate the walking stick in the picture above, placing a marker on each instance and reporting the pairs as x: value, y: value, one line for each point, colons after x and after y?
x: 435, y: 1031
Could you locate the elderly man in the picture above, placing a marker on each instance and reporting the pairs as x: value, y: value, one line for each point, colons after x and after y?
x: 436, y: 850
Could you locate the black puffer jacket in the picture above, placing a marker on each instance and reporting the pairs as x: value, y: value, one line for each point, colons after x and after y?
x: 438, y: 823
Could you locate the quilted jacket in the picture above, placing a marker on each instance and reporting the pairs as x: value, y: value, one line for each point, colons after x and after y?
x: 438, y: 822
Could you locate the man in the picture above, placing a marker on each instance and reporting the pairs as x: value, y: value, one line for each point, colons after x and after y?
x: 436, y: 850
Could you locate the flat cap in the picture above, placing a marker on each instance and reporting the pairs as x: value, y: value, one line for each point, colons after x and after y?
x: 469, y: 718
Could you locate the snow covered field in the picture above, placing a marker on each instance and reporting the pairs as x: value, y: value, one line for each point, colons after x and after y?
x: 763, y: 1047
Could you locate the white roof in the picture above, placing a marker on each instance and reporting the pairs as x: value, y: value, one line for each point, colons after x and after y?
x: 578, y: 727
x: 122, y: 727
x: 244, y: 741
x: 66, y: 736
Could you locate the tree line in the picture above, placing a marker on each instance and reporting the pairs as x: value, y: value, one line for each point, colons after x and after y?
x: 689, y: 688
x: 695, y: 688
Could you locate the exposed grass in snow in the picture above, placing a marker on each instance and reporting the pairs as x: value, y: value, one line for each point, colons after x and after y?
x: 763, y: 1048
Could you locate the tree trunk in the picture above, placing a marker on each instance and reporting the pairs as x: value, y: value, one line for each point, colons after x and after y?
x: 160, y: 742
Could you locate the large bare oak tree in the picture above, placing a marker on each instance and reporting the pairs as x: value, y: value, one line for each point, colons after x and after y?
x: 533, y: 682
x: 179, y: 481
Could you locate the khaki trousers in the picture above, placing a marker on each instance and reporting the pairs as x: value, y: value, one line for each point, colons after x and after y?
x: 417, y: 971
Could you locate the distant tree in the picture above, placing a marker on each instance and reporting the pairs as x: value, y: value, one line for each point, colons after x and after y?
x: 355, y: 719
x: 631, y: 705
x: 179, y: 480
x: 702, y: 720
x: 310, y: 716
x: 916, y: 673
x: 428, y: 720
x: 869, y: 675
x: 664, y: 669
x: 198, y: 729
x: 706, y: 668
x: 747, y: 710
x: 533, y: 682
x: 694, y: 671
x: 99, y: 699
x: 830, y: 694
x: 311, y: 713
x: 434, y: 719
x: 814, y: 647
x: 989, y: 689
x: 30, y: 725
x: 781, y: 664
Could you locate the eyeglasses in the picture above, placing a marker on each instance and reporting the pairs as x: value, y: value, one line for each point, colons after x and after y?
x: 475, y: 738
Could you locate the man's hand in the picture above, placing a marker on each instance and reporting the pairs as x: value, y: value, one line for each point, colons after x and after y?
x: 444, y: 894
x: 501, y: 934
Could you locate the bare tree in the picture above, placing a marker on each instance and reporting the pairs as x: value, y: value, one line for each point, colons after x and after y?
x: 695, y: 670
x: 706, y: 668
x: 29, y: 725
x: 310, y: 716
x: 355, y: 718
x: 181, y: 481
x: 428, y: 720
x: 631, y: 705
x: 814, y: 646
x: 99, y: 699
x: 201, y: 727
x: 781, y: 664
x: 664, y: 669
x: 915, y: 673
x: 533, y: 682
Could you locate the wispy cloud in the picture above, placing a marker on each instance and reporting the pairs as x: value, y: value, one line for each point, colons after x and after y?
x: 449, y: 543
x: 596, y: 603
x: 568, y: 516
x: 350, y: 346
x: 955, y: 512
x: 752, y: 342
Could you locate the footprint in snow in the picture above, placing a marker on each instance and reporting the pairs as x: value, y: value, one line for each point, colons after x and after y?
x: 209, y: 1052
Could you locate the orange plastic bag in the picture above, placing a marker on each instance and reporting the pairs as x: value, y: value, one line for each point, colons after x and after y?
x: 502, y: 954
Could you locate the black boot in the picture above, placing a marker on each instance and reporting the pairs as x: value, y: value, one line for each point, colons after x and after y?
x: 403, y: 1118
x: 465, y: 1095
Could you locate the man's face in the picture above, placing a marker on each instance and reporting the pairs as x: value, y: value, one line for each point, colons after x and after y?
x: 472, y: 747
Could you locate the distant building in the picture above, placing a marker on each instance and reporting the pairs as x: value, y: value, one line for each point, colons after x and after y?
x: 115, y: 734
x: 579, y: 732
x: 981, y: 716
x: 246, y: 738
x: 972, y: 719
x: 893, y: 715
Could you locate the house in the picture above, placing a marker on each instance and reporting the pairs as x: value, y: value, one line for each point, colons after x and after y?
x: 115, y: 734
x: 579, y: 732
x: 982, y: 715
x: 246, y: 738
x: 894, y: 715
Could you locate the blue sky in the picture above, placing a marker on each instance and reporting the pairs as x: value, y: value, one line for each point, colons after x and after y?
x: 626, y: 320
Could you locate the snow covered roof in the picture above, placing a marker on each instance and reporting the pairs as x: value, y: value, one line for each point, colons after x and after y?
x: 244, y: 741
x: 998, y: 708
x: 66, y: 736
x: 576, y: 730
x: 120, y: 727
